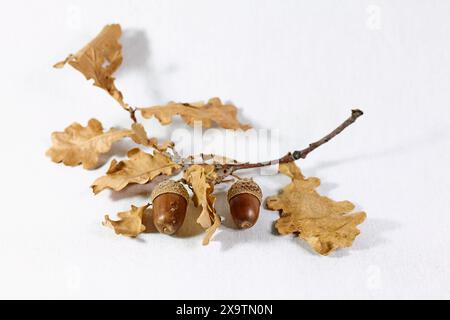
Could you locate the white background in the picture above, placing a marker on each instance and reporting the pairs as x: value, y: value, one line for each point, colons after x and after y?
x: 295, y: 66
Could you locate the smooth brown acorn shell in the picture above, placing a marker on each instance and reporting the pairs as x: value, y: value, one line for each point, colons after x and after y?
x: 169, y: 211
x: 244, y: 210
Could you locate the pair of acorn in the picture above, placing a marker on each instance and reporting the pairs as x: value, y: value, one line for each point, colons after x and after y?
x: 170, y: 200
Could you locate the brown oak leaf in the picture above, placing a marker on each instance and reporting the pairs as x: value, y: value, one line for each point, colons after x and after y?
x: 99, y: 59
x: 83, y: 145
x: 324, y: 224
x: 140, y: 168
x: 200, y: 177
x: 130, y: 223
x: 214, y: 111
x: 140, y: 137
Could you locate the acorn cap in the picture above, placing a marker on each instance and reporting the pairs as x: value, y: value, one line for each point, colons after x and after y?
x: 245, y: 186
x: 170, y: 186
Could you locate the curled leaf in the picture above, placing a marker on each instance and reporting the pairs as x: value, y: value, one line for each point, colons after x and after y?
x: 140, y: 168
x: 200, y: 177
x: 140, y: 137
x: 324, y: 224
x: 83, y: 145
x: 212, y: 229
x: 130, y: 223
x: 224, y: 115
x: 99, y: 59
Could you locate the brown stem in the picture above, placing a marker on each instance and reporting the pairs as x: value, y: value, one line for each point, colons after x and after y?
x: 117, y: 95
x: 132, y: 112
x: 229, y: 169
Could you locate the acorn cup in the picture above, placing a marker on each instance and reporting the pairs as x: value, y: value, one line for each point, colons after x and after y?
x: 170, y: 200
x: 244, y: 198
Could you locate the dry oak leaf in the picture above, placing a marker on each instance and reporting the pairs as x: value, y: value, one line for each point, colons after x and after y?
x: 99, y: 59
x: 140, y: 168
x: 325, y: 224
x: 130, y: 223
x: 83, y: 145
x: 199, y: 177
x: 224, y: 115
x: 140, y: 137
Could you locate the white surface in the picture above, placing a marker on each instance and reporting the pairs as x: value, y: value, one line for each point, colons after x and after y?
x: 296, y: 66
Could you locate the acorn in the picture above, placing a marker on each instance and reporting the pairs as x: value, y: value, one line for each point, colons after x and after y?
x: 245, y: 198
x: 170, y: 200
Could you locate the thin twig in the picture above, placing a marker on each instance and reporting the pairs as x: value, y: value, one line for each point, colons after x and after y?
x: 226, y: 170
x: 132, y: 112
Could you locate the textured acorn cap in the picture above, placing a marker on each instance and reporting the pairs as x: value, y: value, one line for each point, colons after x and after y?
x: 170, y: 186
x: 245, y: 186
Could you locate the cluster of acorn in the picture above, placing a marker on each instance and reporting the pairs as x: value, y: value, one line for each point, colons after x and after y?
x: 170, y: 201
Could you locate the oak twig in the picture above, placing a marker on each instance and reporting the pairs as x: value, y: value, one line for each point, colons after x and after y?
x: 225, y: 170
x: 128, y: 108
x: 132, y: 112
